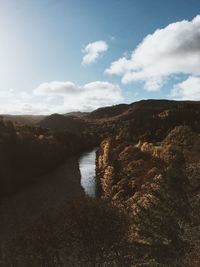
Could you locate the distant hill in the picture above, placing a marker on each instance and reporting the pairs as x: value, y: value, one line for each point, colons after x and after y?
x: 146, y: 119
x: 143, y: 107
x: 77, y: 114
x: 23, y: 119
x: 143, y: 116
x: 149, y: 107
x: 108, y: 112
x: 60, y: 122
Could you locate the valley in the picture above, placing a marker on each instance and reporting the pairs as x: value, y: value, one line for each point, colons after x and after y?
x: 115, y: 187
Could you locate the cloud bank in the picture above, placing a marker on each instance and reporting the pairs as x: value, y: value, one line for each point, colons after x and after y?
x: 172, y: 50
x: 87, y: 97
x: 93, y: 51
x: 188, y: 89
x: 61, y: 97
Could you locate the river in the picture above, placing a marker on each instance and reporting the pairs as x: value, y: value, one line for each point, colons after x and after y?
x: 87, y: 166
x: 52, y: 194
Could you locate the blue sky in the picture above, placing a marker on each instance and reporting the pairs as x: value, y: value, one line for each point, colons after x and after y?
x: 43, y: 44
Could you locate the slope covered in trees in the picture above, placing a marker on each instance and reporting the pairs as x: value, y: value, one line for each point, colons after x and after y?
x: 148, y: 169
x: 27, y: 152
x: 157, y: 184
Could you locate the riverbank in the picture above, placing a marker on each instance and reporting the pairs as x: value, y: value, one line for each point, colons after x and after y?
x: 46, y: 198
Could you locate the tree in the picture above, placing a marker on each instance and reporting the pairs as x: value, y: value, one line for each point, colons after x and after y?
x: 89, y: 233
x: 99, y: 232
x: 160, y: 224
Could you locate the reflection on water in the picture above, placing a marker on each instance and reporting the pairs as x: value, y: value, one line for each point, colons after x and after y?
x: 87, y: 169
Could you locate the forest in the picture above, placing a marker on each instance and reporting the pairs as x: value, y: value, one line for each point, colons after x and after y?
x: 146, y: 212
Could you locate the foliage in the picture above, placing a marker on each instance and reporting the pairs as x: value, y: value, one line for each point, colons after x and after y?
x: 89, y: 233
x: 28, y: 152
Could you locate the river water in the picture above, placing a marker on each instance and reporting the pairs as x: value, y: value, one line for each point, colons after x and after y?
x: 87, y: 166
x: 53, y: 193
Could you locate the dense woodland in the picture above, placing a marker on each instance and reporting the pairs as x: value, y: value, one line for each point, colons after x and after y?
x: 148, y: 174
x: 28, y: 152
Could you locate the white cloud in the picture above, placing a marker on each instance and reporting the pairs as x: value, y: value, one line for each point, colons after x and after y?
x: 188, y: 89
x: 61, y: 97
x: 87, y: 97
x: 15, y: 102
x: 6, y: 93
x: 93, y: 51
x: 172, y: 50
x: 56, y: 87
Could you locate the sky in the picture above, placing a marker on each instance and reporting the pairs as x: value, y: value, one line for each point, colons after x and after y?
x: 67, y: 55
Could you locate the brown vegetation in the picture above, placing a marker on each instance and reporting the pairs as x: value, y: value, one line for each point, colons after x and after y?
x: 155, y: 183
x: 148, y: 173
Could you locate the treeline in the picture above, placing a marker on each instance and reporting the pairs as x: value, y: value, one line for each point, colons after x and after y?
x: 28, y: 152
x: 153, y: 124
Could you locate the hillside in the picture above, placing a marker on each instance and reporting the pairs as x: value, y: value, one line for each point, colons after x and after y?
x: 149, y: 167
x: 143, y: 107
x: 147, y: 170
x: 108, y: 112
x: 60, y: 122
x: 23, y: 119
